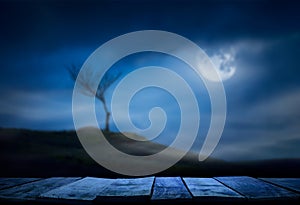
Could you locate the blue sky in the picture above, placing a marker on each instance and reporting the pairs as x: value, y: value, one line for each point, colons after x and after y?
x: 39, y: 39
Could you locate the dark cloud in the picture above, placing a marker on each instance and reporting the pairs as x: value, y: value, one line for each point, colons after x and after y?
x: 57, y: 23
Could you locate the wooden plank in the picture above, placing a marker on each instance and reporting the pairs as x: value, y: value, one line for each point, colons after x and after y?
x: 170, y: 188
x: 85, y: 189
x: 210, y: 189
x: 34, y: 189
x: 290, y: 183
x: 10, y: 182
x: 256, y: 189
x: 136, y: 189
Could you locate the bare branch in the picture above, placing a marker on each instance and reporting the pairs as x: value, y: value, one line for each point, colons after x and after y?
x: 85, y: 81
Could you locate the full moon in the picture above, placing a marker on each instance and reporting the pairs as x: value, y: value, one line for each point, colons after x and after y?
x: 224, y: 63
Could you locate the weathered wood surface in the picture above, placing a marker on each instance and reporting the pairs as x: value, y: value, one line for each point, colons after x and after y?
x: 149, y: 189
x: 256, y: 189
x: 34, y: 189
x: 210, y: 189
x: 11, y: 182
x: 127, y: 189
x: 289, y: 183
x: 169, y: 188
x: 85, y: 189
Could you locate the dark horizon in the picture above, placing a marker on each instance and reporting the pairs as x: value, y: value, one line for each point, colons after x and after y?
x: 68, y: 154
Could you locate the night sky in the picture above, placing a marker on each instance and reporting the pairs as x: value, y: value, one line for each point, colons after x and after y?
x: 40, y: 39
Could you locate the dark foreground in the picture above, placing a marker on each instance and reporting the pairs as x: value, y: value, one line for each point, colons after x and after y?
x: 154, y: 190
x: 28, y: 153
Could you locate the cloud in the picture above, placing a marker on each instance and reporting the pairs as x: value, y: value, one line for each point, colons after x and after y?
x: 269, y: 129
x: 37, y: 109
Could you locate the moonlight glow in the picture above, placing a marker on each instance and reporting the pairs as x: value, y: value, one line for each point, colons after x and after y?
x: 224, y: 63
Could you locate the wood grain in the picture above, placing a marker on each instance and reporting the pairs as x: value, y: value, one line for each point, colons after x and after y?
x: 11, y: 182
x: 210, y: 189
x: 256, y: 189
x: 127, y: 190
x: 290, y: 183
x: 169, y: 188
x: 85, y: 189
x: 34, y: 189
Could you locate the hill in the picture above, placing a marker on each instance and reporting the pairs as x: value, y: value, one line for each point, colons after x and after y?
x: 28, y: 153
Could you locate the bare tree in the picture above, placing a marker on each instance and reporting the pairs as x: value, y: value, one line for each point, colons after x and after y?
x: 86, y: 82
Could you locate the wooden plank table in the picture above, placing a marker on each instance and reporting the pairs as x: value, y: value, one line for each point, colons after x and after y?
x: 34, y: 189
x: 256, y: 189
x: 85, y: 189
x: 288, y: 183
x: 90, y: 190
x: 138, y: 189
x: 208, y: 189
x: 170, y: 188
x: 10, y: 182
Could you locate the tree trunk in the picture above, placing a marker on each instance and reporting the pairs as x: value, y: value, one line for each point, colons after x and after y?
x: 107, y: 121
x: 107, y: 114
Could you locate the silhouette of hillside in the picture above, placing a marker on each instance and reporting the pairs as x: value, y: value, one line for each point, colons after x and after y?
x: 28, y: 153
